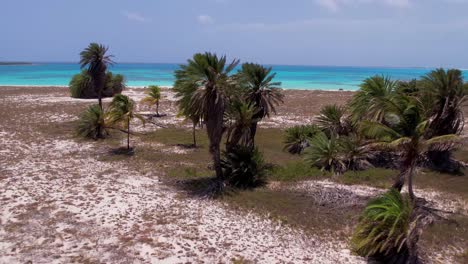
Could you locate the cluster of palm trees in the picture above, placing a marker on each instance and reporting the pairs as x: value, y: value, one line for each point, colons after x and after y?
x: 95, y: 121
x: 388, y: 123
x: 229, y: 104
x: 95, y: 81
x: 414, y: 121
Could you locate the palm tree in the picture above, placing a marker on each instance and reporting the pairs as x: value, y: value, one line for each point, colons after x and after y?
x: 96, y: 60
x: 333, y: 120
x: 372, y: 100
x: 209, y: 74
x: 257, y: 83
x: 153, y: 97
x: 404, y: 131
x: 121, y: 112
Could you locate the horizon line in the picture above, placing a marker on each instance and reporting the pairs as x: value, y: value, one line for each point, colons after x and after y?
x: 267, y: 64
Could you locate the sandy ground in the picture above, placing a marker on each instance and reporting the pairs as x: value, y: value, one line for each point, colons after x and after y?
x: 61, y: 204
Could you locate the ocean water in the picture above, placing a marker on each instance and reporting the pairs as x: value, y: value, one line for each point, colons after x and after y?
x: 143, y: 74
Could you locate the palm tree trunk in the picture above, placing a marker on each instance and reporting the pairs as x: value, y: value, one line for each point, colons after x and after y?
x: 128, y: 134
x: 410, y: 182
x: 399, y: 181
x: 194, y: 135
x: 157, y: 108
x: 253, y: 132
x: 214, y: 128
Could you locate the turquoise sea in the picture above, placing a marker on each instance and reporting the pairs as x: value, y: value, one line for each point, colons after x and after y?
x: 143, y: 74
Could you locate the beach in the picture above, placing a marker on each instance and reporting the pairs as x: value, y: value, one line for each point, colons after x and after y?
x: 66, y: 199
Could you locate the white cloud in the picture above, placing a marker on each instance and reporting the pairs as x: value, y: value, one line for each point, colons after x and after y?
x: 336, y: 5
x: 135, y: 16
x: 331, y: 5
x: 205, y: 19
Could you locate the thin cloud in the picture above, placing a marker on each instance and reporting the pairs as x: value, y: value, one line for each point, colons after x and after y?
x: 336, y: 5
x: 133, y: 16
x: 205, y: 19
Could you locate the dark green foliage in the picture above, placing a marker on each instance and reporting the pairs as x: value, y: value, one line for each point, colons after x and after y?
x: 356, y: 154
x: 240, y: 117
x: 447, y: 91
x: 90, y: 122
x: 297, y: 138
x: 371, y: 101
x: 383, y: 228
x: 408, y: 87
x: 244, y: 167
x: 325, y: 153
x: 81, y: 85
x: 333, y: 120
x: 96, y: 60
x: 256, y: 82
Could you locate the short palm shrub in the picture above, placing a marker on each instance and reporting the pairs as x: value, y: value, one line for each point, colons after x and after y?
x: 121, y: 113
x: 325, y: 153
x: 297, y: 138
x: 153, y: 97
x: 90, y: 122
x: 382, y: 231
x: 333, y: 119
x: 244, y: 167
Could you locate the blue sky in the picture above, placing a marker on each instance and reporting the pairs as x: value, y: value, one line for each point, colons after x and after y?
x: 311, y: 32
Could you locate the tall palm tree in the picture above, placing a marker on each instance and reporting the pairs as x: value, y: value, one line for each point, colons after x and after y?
x: 153, y: 97
x: 373, y: 99
x: 261, y: 91
x: 95, y: 59
x: 404, y: 131
x: 209, y: 74
x: 122, y: 112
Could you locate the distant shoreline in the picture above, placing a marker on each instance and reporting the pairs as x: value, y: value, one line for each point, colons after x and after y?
x: 170, y: 87
x: 13, y: 63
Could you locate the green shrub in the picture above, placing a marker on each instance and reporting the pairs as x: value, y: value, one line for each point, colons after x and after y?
x: 244, y: 167
x: 384, y: 227
x: 297, y: 138
x: 81, y: 85
x: 325, y: 153
x: 90, y: 122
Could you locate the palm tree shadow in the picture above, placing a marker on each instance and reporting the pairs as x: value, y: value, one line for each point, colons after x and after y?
x: 122, y: 151
x: 187, y: 146
x: 204, y: 187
